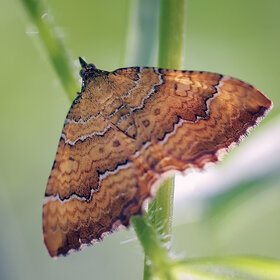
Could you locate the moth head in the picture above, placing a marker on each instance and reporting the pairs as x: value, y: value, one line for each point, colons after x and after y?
x: 88, y: 70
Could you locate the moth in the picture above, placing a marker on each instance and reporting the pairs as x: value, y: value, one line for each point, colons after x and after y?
x: 125, y: 132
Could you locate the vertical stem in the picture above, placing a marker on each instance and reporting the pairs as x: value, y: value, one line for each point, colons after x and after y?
x: 171, y: 31
x: 171, y: 40
x: 53, y: 46
x: 149, y: 239
x: 160, y: 216
x: 160, y: 266
x: 161, y: 210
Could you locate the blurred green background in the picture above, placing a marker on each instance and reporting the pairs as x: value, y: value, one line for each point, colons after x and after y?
x: 240, y: 38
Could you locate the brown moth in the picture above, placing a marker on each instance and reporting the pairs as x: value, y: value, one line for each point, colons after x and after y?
x: 125, y: 131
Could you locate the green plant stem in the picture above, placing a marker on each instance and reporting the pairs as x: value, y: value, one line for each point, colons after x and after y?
x: 171, y: 40
x: 172, y: 19
x: 53, y: 46
x: 157, y: 255
x: 160, y: 216
x: 160, y: 211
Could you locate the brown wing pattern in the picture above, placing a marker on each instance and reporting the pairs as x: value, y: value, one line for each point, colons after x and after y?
x: 124, y: 132
x: 195, y: 115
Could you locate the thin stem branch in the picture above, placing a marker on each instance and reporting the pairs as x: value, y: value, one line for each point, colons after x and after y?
x: 53, y: 46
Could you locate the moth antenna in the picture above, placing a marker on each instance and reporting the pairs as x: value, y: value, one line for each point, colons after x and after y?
x: 82, y: 62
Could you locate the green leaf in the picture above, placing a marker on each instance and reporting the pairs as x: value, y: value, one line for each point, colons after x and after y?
x: 237, y: 267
